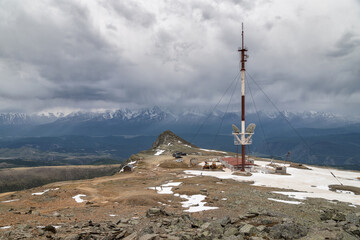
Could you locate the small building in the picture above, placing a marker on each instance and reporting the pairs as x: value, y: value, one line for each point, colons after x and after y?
x: 234, y: 163
x: 128, y: 168
x: 280, y: 169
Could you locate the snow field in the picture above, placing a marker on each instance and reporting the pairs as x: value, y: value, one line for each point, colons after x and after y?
x: 310, y: 183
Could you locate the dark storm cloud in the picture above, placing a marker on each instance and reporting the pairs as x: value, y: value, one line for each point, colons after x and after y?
x: 347, y: 44
x: 109, y: 54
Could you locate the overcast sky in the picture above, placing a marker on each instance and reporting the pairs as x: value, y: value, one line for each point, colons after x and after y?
x: 63, y: 55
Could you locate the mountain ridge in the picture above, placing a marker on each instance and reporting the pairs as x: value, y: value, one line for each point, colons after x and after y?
x: 13, y: 118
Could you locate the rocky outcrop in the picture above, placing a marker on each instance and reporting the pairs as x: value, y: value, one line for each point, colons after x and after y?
x: 133, y: 158
x: 168, y: 137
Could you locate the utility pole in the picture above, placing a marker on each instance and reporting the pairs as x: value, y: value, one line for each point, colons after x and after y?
x: 243, y: 51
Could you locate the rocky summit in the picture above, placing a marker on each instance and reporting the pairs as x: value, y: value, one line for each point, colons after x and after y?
x: 169, y: 138
x: 162, y: 197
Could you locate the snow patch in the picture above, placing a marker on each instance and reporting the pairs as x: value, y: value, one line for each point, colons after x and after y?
x: 345, y: 192
x: 78, y: 198
x: 296, y: 195
x: 195, y: 203
x: 46, y: 190
x: 188, y: 177
x: 40, y: 193
x: 325, y: 187
x: 165, y: 188
x: 158, y: 152
x: 210, y: 150
x: 5, y: 227
x: 12, y: 200
x: 284, y: 201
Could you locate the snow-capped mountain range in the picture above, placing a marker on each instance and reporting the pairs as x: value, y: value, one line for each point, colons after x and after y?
x: 158, y: 114
x: 153, y: 121
x: 331, y: 137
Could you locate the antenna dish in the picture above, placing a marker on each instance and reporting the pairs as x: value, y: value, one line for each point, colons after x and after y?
x: 235, y: 129
x: 250, y: 128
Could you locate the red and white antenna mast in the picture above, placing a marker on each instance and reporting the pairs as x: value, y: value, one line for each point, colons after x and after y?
x: 245, y: 134
x: 243, y: 60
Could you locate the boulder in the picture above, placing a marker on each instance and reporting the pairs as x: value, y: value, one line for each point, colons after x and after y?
x: 154, y: 211
x: 56, y: 214
x: 327, y: 214
x: 248, y: 230
x: 261, y: 228
x: 73, y: 237
x: 339, y: 217
x: 205, y: 226
x: 173, y: 238
x: 288, y: 231
x: 50, y: 228
x: 216, y: 229
x: 132, y: 236
x: 232, y: 231
x: 148, y: 237
x: 224, y: 221
x: 354, y: 230
x: 352, y: 218
x: 234, y: 238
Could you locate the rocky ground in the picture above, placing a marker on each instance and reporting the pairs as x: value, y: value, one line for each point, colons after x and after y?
x: 161, y: 224
x: 126, y: 206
